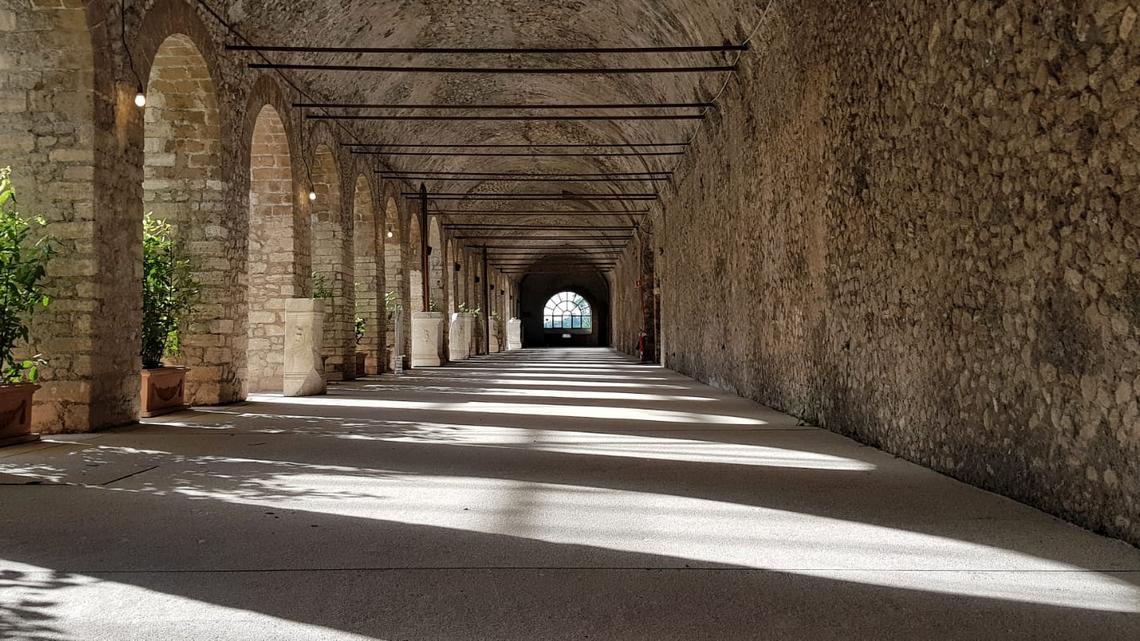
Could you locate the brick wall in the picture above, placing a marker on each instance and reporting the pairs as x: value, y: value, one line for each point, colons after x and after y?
x: 272, y: 265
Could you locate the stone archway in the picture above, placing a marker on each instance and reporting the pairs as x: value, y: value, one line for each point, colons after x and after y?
x: 369, y: 276
x: 437, y: 261
x: 184, y: 184
x: 272, y: 250
x: 394, y: 282
x: 333, y: 264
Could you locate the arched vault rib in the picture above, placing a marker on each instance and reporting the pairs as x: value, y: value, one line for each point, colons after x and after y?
x: 625, y: 24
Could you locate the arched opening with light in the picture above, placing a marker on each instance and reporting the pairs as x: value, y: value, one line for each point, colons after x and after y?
x: 568, y: 311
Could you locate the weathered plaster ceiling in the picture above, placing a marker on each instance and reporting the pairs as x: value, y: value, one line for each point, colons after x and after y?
x: 509, y: 23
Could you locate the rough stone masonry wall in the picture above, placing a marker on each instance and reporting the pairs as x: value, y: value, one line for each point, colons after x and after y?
x: 393, y: 279
x: 47, y: 136
x: 183, y: 185
x: 272, y: 264
x: 918, y: 223
x: 369, y: 276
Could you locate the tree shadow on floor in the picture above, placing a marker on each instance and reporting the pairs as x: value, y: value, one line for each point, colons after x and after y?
x: 391, y: 580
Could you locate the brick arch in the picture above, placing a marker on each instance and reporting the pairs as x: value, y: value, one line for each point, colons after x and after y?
x: 332, y: 252
x: 185, y: 183
x: 368, y: 272
x: 272, y: 249
x: 166, y: 18
x: 395, y: 282
x: 412, y: 255
x: 437, y: 263
x: 266, y: 90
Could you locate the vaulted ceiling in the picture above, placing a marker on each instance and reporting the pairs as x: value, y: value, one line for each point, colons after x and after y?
x: 619, y: 165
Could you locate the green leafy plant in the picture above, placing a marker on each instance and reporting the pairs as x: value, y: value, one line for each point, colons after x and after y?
x: 392, y: 304
x: 358, y: 329
x: 23, y: 265
x: 169, y: 291
x: 321, y: 289
x: 464, y: 309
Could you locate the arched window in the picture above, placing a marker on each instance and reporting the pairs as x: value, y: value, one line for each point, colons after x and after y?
x: 567, y: 310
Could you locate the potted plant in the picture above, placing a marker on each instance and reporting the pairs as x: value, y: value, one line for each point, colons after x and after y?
x: 169, y: 294
x: 23, y: 265
x: 361, y: 357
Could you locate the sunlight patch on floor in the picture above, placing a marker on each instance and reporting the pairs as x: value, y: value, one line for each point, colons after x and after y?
x: 51, y: 602
x: 630, y: 446
x: 706, y: 532
x: 525, y: 409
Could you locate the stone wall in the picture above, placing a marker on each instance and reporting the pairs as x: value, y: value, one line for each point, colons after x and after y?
x: 393, y: 275
x: 88, y: 160
x: 917, y: 223
x: 47, y: 136
x: 272, y: 264
x: 369, y: 276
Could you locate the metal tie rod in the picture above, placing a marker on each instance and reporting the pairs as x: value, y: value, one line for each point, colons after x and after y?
x: 542, y: 239
x: 493, y: 226
x: 512, y: 118
x: 492, y: 50
x: 541, y: 71
x: 505, y: 106
x: 545, y: 212
x: 534, y: 180
x: 551, y: 145
x: 583, y: 197
x: 462, y: 154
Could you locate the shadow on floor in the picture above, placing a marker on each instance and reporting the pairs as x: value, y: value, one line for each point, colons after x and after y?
x: 443, y: 522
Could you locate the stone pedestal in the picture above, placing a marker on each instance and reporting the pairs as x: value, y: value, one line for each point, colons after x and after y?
x: 496, y: 343
x: 427, y: 339
x: 514, y: 334
x: 304, y: 326
x: 462, y: 329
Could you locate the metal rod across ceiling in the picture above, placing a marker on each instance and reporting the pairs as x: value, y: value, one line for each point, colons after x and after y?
x: 511, y: 118
x: 542, y: 71
x: 535, y: 180
x: 519, y: 155
x: 499, y: 212
x: 533, y: 239
x: 550, y: 145
x: 533, y: 196
x: 505, y: 106
x: 513, y: 227
x: 492, y: 50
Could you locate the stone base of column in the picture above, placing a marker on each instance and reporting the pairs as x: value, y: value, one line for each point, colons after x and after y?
x: 459, y: 339
x: 304, y: 326
x: 427, y: 339
x: 514, y: 334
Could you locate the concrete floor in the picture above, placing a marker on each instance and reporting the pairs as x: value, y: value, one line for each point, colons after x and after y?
x: 562, y: 494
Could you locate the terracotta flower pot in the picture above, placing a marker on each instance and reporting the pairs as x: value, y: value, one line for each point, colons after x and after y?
x: 16, y: 413
x: 163, y: 390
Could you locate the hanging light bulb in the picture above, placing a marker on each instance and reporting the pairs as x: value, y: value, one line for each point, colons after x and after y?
x: 312, y: 196
x: 140, y: 98
x: 390, y: 234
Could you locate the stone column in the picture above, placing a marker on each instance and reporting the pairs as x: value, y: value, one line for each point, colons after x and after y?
x: 514, y: 334
x: 304, y: 372
x: 427, y: 339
